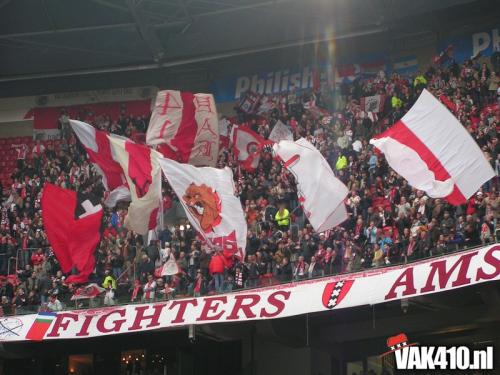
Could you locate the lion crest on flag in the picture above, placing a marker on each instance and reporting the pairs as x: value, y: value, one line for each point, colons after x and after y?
x: 204, y: 204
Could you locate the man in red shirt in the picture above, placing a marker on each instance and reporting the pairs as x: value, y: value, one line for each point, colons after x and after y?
x: 217, y: 267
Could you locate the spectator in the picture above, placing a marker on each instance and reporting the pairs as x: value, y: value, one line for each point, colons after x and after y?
x: 6, y: 289
x: 217, y: 267
x: 54, y: 304
x: 284, y: 270
x: 149, y: 289
x: 282, y: 217
x: 300, y: 269
x: 6, y: 306
x: 315, y: 269
x: 198, y: 284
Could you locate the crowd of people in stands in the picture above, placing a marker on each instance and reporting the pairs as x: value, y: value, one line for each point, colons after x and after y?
x: 389, y: 222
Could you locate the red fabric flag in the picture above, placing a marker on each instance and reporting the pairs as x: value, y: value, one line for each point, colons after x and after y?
x: 73, y: 238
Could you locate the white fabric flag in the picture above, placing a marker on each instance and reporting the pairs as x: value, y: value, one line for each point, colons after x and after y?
x: 121, y: 193
x: 186, y: 127
x: 434, y: 152
x: 321, y: 194
x: 169, y: 268
x: 207, y: 195
x: 143, y: 174
x: 280, y: 132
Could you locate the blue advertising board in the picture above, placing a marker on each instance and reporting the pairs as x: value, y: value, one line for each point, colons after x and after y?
x: 483, y: 42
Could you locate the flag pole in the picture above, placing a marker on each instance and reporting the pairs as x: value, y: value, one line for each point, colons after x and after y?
x: 161, y: 202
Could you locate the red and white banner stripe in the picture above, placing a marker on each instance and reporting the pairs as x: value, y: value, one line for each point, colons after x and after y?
x: 247, y: 146
x: 186, y: 127
x: 143, y: 174
x: 96, y: 143
x: 433, y: 151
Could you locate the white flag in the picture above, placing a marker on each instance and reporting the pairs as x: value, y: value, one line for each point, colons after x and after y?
x: 143, y: 174
x: 280, y: 132
x: 185, y: 127
x: 170, y: 268
x: 434, y: 152
x: 207, y: 195
x: 321, y: 194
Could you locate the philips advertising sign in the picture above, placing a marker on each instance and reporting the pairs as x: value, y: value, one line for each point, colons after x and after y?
x: 483, y: 42
x: 231, y: 88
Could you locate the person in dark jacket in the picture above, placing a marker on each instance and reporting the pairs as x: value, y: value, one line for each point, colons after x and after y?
x: 471, y: 236
x: 315, y: 268
x: 6, y: 289
x: 153, y: 251
x: 253, y: 272
x: 284, y: 271
x: 145, y: 268
x: 421, y: 249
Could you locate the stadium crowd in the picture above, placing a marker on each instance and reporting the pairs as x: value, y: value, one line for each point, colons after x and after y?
x: 389, y: 222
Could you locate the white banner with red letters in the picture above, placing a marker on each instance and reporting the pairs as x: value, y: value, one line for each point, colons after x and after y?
x: 330, y: 293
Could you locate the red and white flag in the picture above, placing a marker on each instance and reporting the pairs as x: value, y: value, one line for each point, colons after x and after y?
x: 96, y: 143
x: 280, y: 132
x: 433, y: 151
x: 143, y: 174
x: 185, y: 127
x: 247, y: 146
x: 88, y: 291
x: 169, y: 268
x: 321, y: 194
x: 208, y: 197
x: 373, y: 103
x: 73, y: 230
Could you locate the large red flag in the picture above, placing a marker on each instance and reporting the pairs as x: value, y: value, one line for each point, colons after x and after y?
x: 73, y: 237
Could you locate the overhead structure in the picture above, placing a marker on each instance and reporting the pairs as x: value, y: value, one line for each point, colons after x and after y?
x: 51, y: 39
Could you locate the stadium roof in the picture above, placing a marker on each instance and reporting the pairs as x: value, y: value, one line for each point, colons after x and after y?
x: 52, y: 38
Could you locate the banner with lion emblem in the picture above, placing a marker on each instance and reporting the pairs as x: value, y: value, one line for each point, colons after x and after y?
x: 207, y: 195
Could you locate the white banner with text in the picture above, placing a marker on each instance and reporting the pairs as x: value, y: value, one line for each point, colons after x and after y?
x: 369, y: 287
